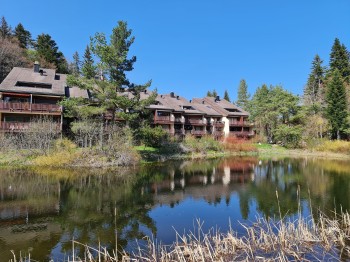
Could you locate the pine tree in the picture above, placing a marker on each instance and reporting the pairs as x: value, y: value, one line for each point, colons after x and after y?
x: 114, y: 62
x: 209, y: 94
x: 75, y: 66
x: 336, y: 105
x: 88, y: 69
x: 24, y: 37
x: 5, y: 29
x: 313, y: 91
x: 339, y: 59
x: 243, y: 96
x: 226, y: 96
x: 214, y: 93
x: 47, y: 49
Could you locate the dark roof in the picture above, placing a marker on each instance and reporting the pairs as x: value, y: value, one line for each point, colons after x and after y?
x: 222, y: 106
x: 23, y: 80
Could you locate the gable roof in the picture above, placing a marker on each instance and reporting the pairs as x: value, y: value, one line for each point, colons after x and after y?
x: 222, y: 106
x: 25, y: 80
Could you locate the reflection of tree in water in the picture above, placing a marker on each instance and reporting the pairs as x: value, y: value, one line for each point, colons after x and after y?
x: 281, y: 175
x: 326, y: 182
x: 94, y: 207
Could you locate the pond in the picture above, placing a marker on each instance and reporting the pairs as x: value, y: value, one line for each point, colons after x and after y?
x: 42, y: 210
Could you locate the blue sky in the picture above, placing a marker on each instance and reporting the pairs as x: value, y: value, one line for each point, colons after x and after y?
x: 192, y: 46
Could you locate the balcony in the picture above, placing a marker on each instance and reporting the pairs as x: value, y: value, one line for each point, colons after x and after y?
x: 242, y: 133
x: 163, y: 119
x: 198, y: 132
x: 198, y: 122
x: 219, y: 124
x: 22, y: 126
x: 239, y: 123
x: 30, y: 108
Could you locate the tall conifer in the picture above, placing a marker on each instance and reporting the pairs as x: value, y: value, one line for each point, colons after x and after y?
x: 336, y: 105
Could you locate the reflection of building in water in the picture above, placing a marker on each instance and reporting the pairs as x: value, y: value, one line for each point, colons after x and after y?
x: 28, y: 204
x: 210, y: 184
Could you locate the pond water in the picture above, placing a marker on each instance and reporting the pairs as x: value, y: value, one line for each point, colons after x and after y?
x: 42, y: 210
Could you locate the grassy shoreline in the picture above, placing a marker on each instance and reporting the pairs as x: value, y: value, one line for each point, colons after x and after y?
x: 152, y: 155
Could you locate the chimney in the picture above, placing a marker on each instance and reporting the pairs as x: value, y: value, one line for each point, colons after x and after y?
x: 217, y: 98
x: 36, y: 67
x: 177, y: 97
x: 172, y: 94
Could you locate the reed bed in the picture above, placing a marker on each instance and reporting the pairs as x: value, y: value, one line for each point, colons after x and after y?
x: 302, y: 239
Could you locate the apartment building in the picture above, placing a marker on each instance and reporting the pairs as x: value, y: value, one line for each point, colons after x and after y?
x: 26, y: 94
x: 201, y: 116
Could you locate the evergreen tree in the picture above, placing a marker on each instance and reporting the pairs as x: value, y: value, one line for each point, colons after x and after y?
x: 226, y: 96
x: 114, y: 61
x: 209, y: 94
x: 47, y: 49
x: 214, y: 93
x: 340, y: 60
x: 24, y: 37
x: 275, y: 114
x: 313, y: 91
x: 75, y: 66
x: 336, y: 105
x: 243, y: 96
x: 5, y: 29
x: 88, y: 69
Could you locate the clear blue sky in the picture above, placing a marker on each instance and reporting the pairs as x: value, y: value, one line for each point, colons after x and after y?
x: 191, y: 46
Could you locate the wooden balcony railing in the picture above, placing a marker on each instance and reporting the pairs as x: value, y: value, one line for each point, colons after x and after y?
x: 163, y: 119
x: 239, y: 123
x: 23, y: 126
x: 196, y: 121
x: 198, y: 132
x: 28, y: 107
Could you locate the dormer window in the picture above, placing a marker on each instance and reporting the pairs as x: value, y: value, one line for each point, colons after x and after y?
x: 33, y: 85
x: 232, y: 110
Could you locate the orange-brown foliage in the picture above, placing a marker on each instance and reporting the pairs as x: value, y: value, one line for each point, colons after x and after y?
x: 235, y: 144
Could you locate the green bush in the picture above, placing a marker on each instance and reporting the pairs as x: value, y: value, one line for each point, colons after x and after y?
x: 201, y: 145
x: 289, y: 136
x: 153, y: 137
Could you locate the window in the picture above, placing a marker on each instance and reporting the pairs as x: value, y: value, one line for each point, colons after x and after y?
x: 34, y: 85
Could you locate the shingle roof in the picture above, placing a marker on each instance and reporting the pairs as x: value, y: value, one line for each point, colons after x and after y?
x: 222, y: 106
x: 206, y: 108
x: 27, y: 75
x: 178, y: 104
x: 48, y: 77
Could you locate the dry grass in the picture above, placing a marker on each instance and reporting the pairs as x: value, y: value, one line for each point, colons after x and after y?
x: 266, y: 240
x: 336, y: 146
x: 235, y: 144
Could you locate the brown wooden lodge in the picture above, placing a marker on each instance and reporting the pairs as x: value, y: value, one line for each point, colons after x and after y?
x: 26, y: 94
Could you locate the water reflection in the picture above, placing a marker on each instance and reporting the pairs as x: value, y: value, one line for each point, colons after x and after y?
x: 41, y: 210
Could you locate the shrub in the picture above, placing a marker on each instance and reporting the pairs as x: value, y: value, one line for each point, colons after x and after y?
x: 289, y: 136
x: 336, y: 146
x: 153, y: 137
x: 201, y: 145
x: 63, y: 153
x: 235, y: 144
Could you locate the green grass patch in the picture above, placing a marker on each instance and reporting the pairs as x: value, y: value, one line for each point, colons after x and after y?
x: 147, y: 149
x: 263, y: 146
